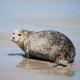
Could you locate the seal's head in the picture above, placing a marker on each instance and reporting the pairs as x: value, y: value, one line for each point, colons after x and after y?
x: 18, y: 36
x: 21, y: 38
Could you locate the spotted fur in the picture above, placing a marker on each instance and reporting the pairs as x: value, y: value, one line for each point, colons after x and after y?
x: 48, y: 45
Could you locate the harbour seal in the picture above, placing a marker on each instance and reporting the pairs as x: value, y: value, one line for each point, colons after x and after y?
x: 48, y: 45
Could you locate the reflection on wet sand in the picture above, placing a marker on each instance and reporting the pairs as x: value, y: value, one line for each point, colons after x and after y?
x: 44, y: 67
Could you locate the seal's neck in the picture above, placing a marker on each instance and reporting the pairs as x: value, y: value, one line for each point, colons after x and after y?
x: 21, y: 44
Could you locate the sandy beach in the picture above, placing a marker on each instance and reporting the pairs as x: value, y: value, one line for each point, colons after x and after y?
x: 37, y: 15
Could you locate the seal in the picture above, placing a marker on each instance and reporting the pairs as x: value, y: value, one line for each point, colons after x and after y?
x: 48, y: 45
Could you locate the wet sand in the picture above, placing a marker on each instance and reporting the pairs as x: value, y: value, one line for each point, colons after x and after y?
x: 13, y: 62
x: 37, y: 15
x: 20, y: 74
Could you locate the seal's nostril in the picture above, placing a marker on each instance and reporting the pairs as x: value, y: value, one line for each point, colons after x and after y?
x: 13, y: 37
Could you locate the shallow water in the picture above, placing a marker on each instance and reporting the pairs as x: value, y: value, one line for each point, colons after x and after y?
x: 18, y: 14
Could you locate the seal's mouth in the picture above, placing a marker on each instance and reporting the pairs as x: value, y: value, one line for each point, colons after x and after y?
x: 12, y: 39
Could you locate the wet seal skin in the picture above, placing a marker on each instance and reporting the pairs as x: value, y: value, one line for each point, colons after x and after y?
x: 48, y: 45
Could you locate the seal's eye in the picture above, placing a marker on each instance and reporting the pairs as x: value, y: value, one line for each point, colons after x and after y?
x: 19, y: 34
x: 13, y: 33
